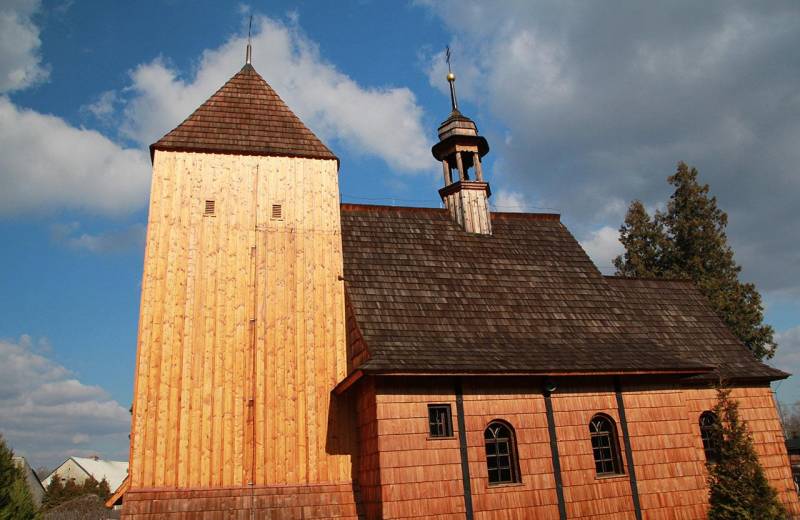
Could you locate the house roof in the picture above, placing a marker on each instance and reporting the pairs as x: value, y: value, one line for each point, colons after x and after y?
x: 113, y: 471
x: 245, y: 116
x: 430, y: 298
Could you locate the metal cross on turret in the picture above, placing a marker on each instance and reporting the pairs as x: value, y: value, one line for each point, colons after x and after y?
x: 451, y: 78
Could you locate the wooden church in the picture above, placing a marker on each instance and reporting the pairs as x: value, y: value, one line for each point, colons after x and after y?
x: 299, y: 358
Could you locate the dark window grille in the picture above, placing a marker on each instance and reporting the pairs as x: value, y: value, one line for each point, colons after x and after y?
x: 501, y: 453
x: 210, y: 208
x: 708, y: 422
x: 440, y: 420
x: 605, y: 447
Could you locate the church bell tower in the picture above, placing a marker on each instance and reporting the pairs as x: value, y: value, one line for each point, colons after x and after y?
x: 465, y: 194
x: 242, y: 321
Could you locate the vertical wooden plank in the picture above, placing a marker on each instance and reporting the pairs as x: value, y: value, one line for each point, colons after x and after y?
x: 156, y: 333
x: 210, y: 250
x: 289, y: 226
x: 141, y: 376
x: 261, y: 346
x: 177, y: 284
x: 192, y: 205
x: 231, y: 186
x: 198, y: 334
x: 300, y: 208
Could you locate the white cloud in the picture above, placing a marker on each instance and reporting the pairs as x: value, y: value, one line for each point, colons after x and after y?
x: 20, y: 63
x: 600, y: 104
x: 510, y: 201
x: 80, y: 438
x: 49, y: 164
x: 108, y: 242
x: 103, y: 106
x: 602, y: 246
x: 382, y: 121
x: 45, y: 411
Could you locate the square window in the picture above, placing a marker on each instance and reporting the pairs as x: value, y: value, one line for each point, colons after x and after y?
x: 440, y: 421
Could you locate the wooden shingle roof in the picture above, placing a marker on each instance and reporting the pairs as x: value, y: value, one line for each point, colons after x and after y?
x: 429, y: 298
x: 677, y: 315
x: 245, y: 116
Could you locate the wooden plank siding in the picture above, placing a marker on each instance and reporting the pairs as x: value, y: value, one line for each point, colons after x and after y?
x: 241, y: 333
x: 522, y: 407
x: 412, y: 465
x: 586, y: 495
x: 670, y: 462
x: 420, y: 477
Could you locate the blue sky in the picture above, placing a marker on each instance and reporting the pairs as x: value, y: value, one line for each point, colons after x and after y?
x: 585, y: 108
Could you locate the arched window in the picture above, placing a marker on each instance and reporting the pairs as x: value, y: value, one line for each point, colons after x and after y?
x: 605, y: 446
x: 501, y: 453
x: 708, y: 422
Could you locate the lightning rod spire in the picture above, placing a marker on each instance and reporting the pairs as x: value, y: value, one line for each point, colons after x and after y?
x: 249, y: 55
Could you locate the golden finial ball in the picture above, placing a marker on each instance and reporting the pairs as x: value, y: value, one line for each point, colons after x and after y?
x: 451, y: 76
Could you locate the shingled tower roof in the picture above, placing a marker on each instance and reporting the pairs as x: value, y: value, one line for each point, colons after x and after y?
x: 245, y: 116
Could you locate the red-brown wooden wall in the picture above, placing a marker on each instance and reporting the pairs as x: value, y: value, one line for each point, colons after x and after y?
x: 413, y: 476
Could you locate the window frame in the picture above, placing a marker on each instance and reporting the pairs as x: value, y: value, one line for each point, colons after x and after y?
x: 447, y: 425
x: 710, y: 450
x: 608, y: 451
x: 511, y: 454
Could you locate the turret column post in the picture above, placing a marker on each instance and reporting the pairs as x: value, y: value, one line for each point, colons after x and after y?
x: 448, y: 176
x: 460, y: 164
x: 476, y: 160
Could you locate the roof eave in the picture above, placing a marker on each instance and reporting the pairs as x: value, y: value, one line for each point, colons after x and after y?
x: 357, y: 374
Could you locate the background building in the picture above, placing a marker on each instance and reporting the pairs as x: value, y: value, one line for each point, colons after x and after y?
x: 81, y: 468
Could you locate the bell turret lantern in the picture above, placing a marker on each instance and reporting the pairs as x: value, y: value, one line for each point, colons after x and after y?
x: 465, y: 194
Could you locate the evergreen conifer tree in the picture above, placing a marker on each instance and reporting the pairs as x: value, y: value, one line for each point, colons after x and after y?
x: 90, y: 486
x: 71, y: 490
x: 20, y: 506
x: 104, y: 490
x: 739, y: 488
x: 15, y: 497
x: 8, y: 473
x: 54, y: 493
x: 688, y: 240
x: 644, y: 240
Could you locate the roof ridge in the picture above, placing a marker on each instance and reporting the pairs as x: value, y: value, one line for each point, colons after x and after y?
x: 349, y: 206
x: 648, y: 278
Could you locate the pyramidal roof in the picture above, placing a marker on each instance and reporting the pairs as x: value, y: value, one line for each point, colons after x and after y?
x: 245, y: 116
